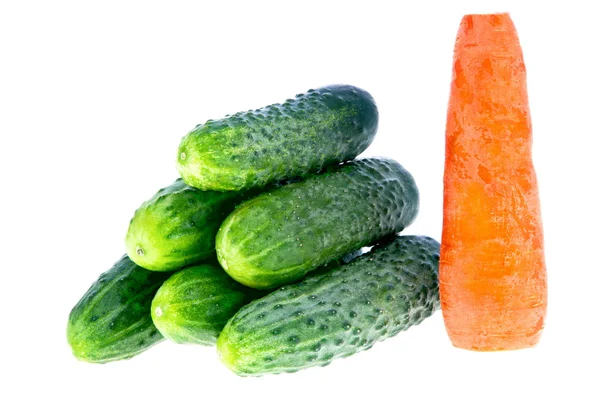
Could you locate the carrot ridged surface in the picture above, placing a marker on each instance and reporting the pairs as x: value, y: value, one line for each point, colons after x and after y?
x: 493, y: 285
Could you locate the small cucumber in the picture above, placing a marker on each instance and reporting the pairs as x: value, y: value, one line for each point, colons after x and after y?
x: 281, y: 235
x: 112, y: 320
x: 194, y: 304
x: 177, y: 226
x: 250, y: 149
x: 337, y: 313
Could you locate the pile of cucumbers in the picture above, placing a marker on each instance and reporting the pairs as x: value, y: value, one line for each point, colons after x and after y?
x: 259, y: 246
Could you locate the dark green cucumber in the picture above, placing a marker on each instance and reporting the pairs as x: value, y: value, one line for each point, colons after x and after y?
x: 337, y: 313
x: 194, y: 304
x: 112, y: 320
x: 250, y: 149
x: 279, y: 236
x: 177, y: 226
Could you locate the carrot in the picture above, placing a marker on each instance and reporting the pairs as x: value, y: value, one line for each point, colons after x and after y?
x: 493, y: 286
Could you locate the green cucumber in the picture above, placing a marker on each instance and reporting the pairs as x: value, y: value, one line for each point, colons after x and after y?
x: 250, y: 149
x: 177, y: 226
x: 337, y: 313
x: 112, y: 320
x: 194, y: 304
x: 281, y: 235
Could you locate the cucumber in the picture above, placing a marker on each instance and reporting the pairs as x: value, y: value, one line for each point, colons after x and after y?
x: 337, y: 313
x: 250, y: 149
x: 112, y: 320
x: 177, y: 226
x: 279, y: 236
x: 194, y: 304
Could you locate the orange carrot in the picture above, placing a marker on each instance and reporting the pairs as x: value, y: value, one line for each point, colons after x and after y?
x: 492, y: 271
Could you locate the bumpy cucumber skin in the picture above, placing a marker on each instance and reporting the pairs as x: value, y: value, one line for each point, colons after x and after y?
x: 335, y: 314
x: 112, y: 320
x: 177, y: 226
x: 279, y: 236
x: 194, y: 304
x: 250, y: 149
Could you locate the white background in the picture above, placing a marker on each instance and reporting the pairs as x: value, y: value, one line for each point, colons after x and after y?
x: 95, y: 96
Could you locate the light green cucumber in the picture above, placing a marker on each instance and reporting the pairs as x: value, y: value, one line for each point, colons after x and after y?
x: 177, y: 226
x: 337, y: 313
x: 281, y: 235
x: 250, y: 149
x: 194, y: 304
